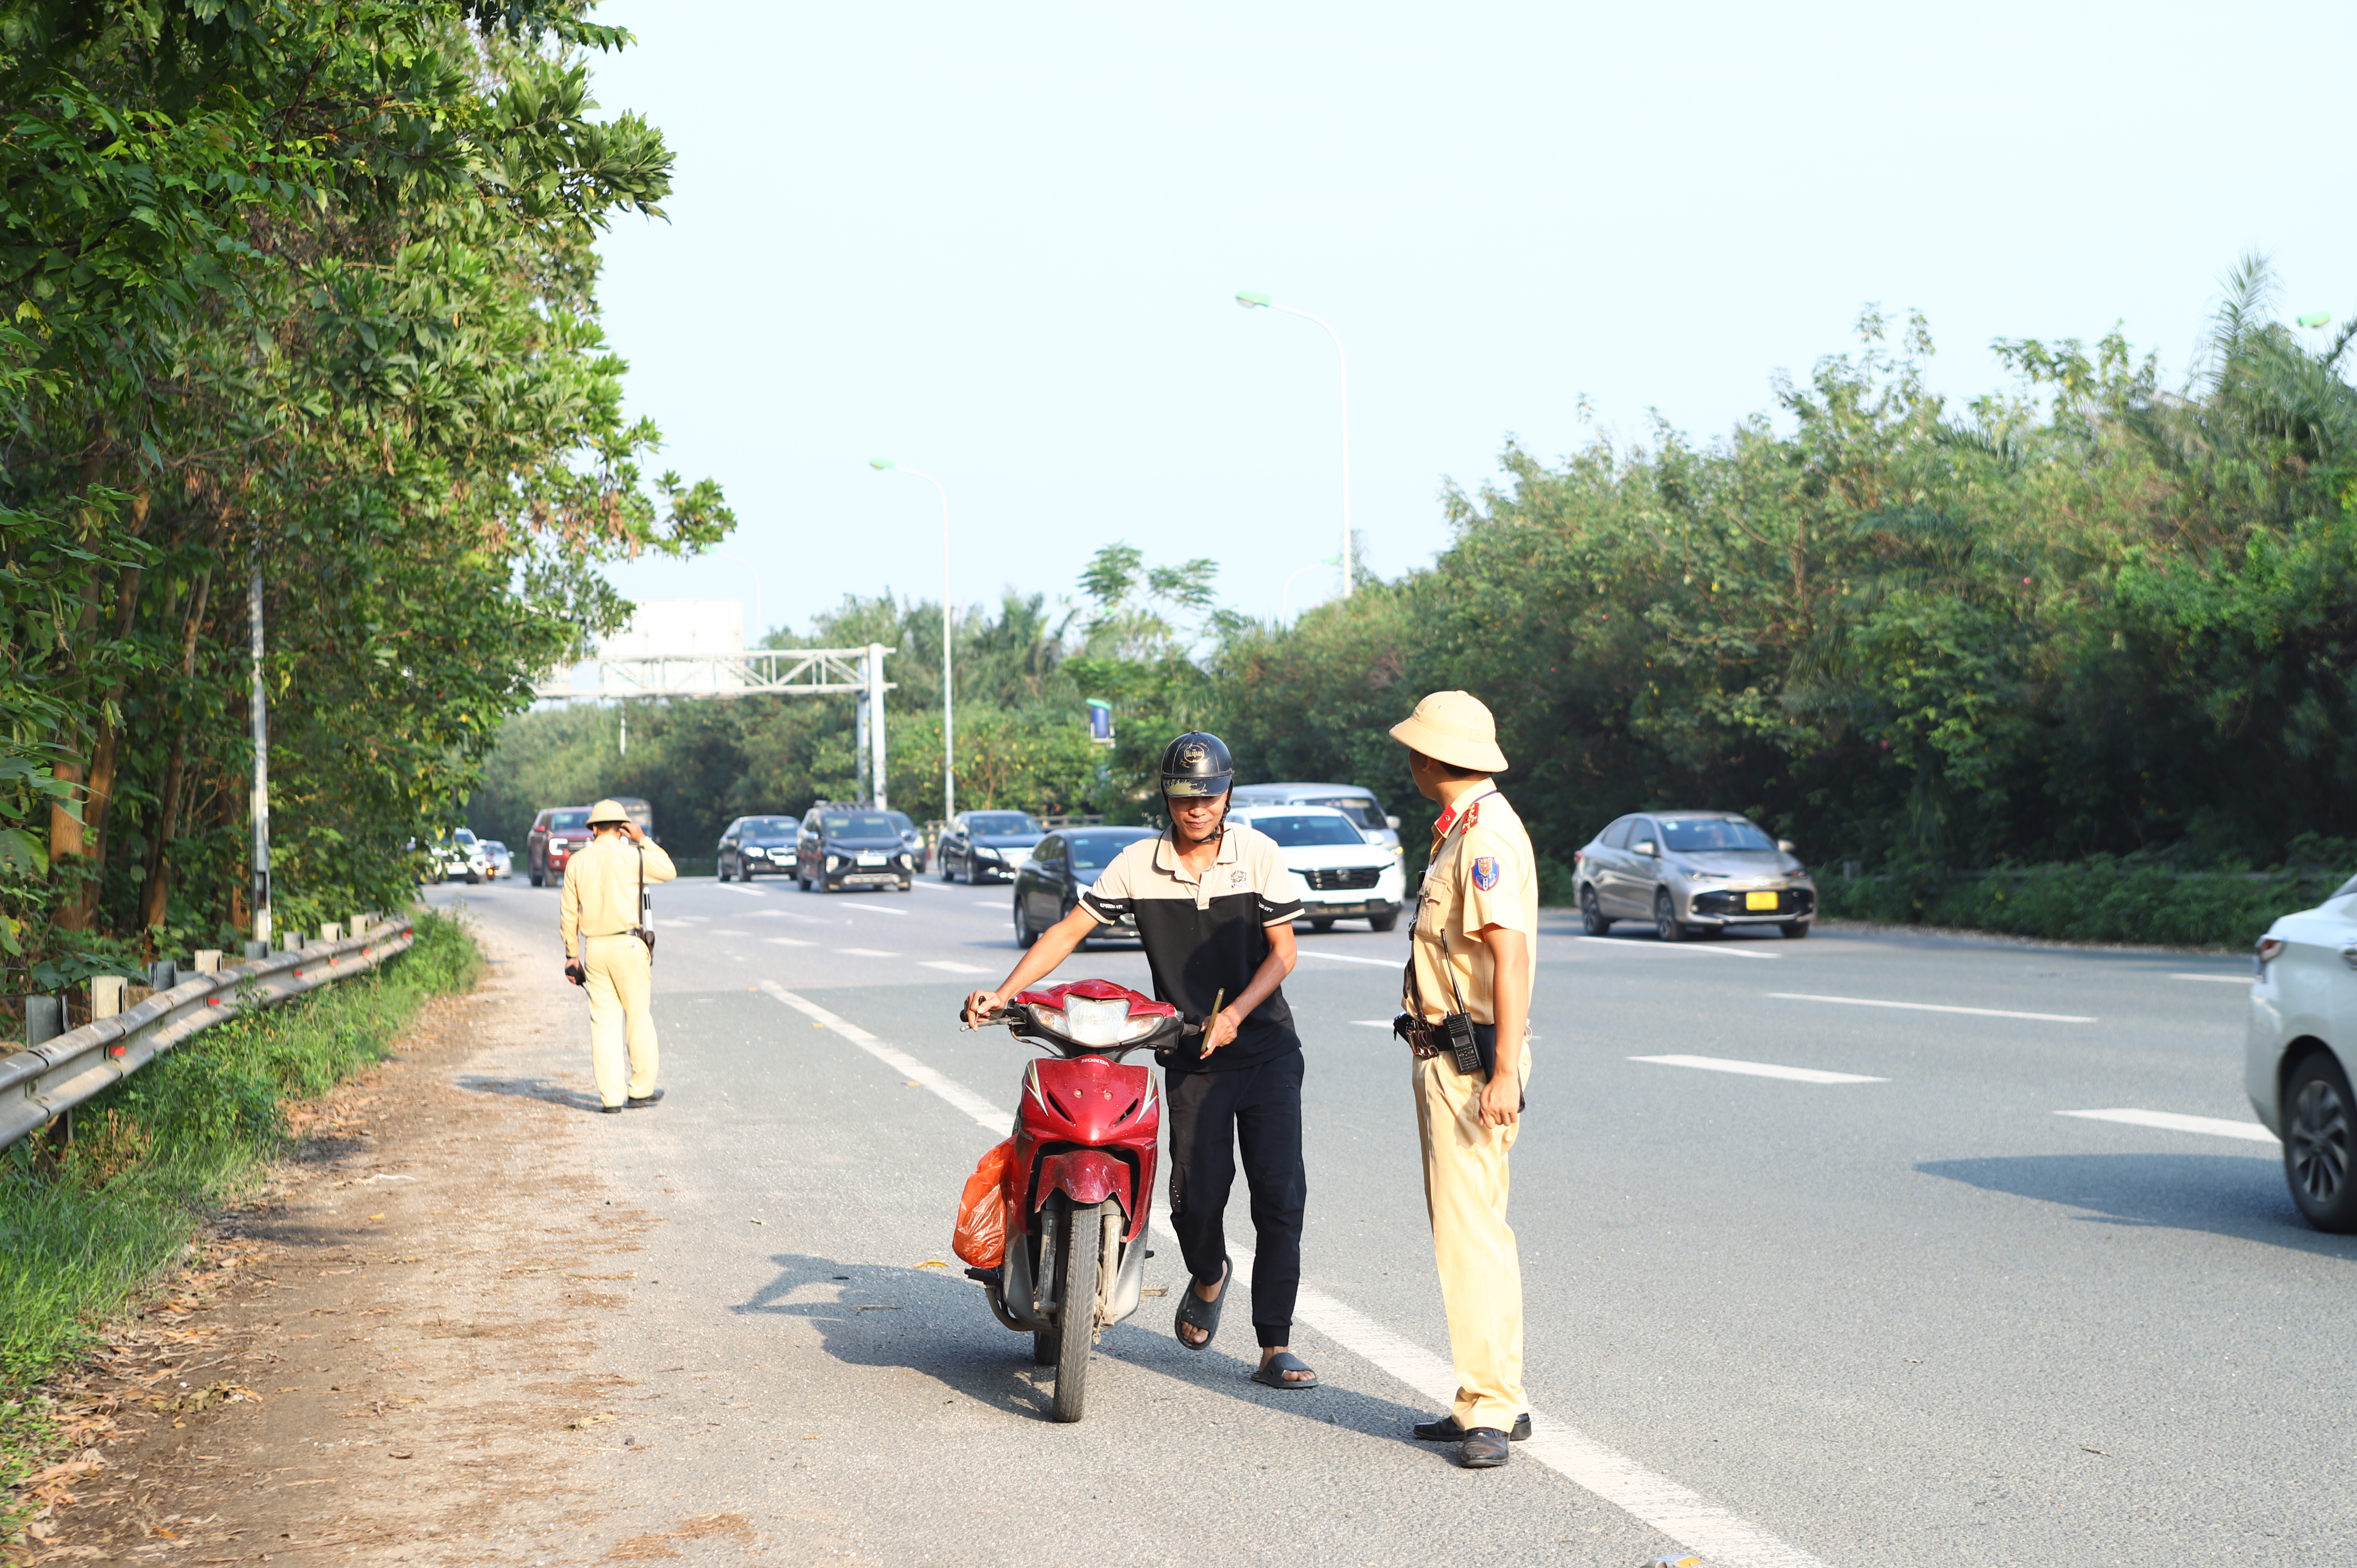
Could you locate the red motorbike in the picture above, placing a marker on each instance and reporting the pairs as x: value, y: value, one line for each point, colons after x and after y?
x: 1081, y: 1179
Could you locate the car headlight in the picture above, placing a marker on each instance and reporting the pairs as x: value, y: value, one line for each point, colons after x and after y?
x: 984, y: 852
x: 902, y: 858
x: 833, y: 862
x: 756, y: 852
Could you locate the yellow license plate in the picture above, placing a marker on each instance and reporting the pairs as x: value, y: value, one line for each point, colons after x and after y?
x: 1759, y: 900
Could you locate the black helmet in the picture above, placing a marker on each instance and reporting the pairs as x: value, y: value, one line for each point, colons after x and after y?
x: 1197, y: 763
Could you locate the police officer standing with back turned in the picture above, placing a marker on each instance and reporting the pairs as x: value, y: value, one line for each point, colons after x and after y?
x: 610, y: 950
x: 1466, y: 996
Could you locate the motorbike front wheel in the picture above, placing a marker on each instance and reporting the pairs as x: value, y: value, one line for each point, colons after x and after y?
x: 1076, y: 1307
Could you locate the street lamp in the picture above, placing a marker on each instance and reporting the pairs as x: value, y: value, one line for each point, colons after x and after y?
x: 1252, y: 301
x: 949, y: 766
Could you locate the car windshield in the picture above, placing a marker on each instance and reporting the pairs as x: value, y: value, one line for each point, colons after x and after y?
x: 992, y: 824
x: 1308, y: 829
x: 767, y: 830
x: 1094, y: 851
x: 569, y: 821
x: 467, y: 835
x: 1362, y: 811
x: 1713, y: 832
x: 866, y: 825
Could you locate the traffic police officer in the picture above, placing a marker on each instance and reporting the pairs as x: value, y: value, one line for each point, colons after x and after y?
x: 609, y: 950
x: 1470, y: 956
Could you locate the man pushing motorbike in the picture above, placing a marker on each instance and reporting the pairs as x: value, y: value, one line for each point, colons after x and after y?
x: 1214, y: 907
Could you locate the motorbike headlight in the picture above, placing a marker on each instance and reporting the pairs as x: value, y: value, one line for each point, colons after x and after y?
x: 1095, y: 1023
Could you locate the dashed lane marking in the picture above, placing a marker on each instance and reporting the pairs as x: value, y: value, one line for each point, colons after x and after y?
x: 1353, y: 957
x: 2216, y: 1127
x: 2221, y: 978
x: 875, y: 909
x: 1702, y: 950
x: 740, y: 890
x: 787, y: 942
x: 867, y: 952
x: 1761, y: 1069
x: 1372, y: 1023
x: 1685, y: 1516
x: 950, y: 966
x: 1932, y: 1007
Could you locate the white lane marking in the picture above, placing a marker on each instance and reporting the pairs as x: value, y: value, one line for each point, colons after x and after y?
x: 1349, y: 958
x: 867, y: 952
x: 993, y: 1119
x: 950, y: 966
x: 1932, y: 1007
x: 1624, y: 945
x: 723, y: 931
x: 765, y: 915
x: 2221, y: 979
x: 787, y: 942
x: 734, y: 887
x: 1685, y: 1516
x: 1372, y: 1023
x: 1761, y: 1069
x: 875, y: 909
x: 2217, y: 1126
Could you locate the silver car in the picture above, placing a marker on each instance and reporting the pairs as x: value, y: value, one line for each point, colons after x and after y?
x: 2296, y: 1057
x: 1689, y: 872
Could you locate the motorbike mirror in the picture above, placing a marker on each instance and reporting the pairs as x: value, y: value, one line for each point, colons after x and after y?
x: 1786, y: 845
x: 1391, y: 822
x: 1647, y: 846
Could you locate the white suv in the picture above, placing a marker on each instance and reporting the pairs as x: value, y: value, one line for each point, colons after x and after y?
x: 2296, y: 1061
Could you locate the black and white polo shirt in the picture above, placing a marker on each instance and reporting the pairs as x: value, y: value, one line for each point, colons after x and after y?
x: 1205, y: 937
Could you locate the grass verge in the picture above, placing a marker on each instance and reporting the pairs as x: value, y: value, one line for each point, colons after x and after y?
x: 82, y: 1234
x: 2099, y: 900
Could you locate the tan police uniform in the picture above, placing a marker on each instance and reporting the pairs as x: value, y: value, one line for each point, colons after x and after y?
x: 1483, y: 877
x: 597, y: 908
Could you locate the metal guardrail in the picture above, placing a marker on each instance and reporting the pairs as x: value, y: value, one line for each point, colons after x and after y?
x: 42, y: 1082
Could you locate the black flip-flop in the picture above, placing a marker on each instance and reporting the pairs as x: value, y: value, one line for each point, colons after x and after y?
x: 1196, y: 1313
x: 1273, y: 1375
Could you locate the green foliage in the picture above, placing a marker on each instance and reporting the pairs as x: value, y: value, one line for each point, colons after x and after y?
x: 305, y: 286
x: 190, y: 1129
x: 2090, y: 618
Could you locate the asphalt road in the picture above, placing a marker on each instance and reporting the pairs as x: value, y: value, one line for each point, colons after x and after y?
x: 1903, y: 1308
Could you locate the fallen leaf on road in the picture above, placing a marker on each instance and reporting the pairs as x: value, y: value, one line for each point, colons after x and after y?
x: 411, y: 1456
x: 2083, y: 1448
x: 932, y: 1263
x: 584, y: 1423
x: 758, y: 1222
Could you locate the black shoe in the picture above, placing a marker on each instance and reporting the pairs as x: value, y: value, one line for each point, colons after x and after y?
x: 1446, y: 1429
x: 640, y: 1101
x: 1484, y: 1448
x: 609, y: 1111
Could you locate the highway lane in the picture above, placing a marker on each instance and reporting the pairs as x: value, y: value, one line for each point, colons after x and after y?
x: 1928, y: 1317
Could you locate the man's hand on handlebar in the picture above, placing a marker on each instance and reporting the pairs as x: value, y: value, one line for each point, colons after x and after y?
x: 982, y: 1007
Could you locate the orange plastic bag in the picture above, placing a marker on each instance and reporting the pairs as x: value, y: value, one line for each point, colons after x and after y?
x: 981, y: 1235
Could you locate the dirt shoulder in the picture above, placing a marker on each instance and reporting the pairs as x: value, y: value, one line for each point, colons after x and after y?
x: 389, y: 1356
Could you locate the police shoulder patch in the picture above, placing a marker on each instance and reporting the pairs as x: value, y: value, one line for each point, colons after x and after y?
x: 1485, y: 871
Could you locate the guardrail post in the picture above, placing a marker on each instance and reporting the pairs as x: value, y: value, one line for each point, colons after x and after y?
x: 45, y: 1019
x: 331, y: 932
x: 257, y: 950
x: 163, y: 975
x: 208, y: 960
x: 106, y: 995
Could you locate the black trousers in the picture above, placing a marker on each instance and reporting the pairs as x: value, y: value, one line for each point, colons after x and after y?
x: 1212, y: 1114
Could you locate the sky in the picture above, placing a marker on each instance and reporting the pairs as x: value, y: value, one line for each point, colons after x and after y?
x: 1001, y: 244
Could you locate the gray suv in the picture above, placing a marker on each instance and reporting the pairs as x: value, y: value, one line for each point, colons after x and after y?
x: 1689, y: 872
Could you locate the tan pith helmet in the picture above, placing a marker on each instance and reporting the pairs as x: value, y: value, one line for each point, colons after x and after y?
x: 605, y: 811
x: 1454, y: 728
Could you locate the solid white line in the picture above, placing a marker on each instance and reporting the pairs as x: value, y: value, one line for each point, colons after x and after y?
x: 787, y: 942
x: 2223, y: 979
x: 1761, y: 1069
x: 1348, y: 958
x: 1686, y: 1517
x: 1624, y: 945
x: 1932, y: 1007
x: 2216, y: 1127
x: 952, y: 967
x: 867, y: 952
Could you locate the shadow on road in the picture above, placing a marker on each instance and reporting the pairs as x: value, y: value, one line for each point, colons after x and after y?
x: 934, y: 1322
x: 2225, y: 1195
x: 533, y: 1089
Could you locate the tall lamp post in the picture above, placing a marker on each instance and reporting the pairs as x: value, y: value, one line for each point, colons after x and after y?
x: 1252, y: 301
x: 949, y: 752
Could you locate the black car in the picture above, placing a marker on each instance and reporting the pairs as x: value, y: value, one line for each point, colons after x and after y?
x: 757, y: 846
x: 852, y: 846
x: 1063, y: 865
x: 987, y: 844
x: 910, y: 839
